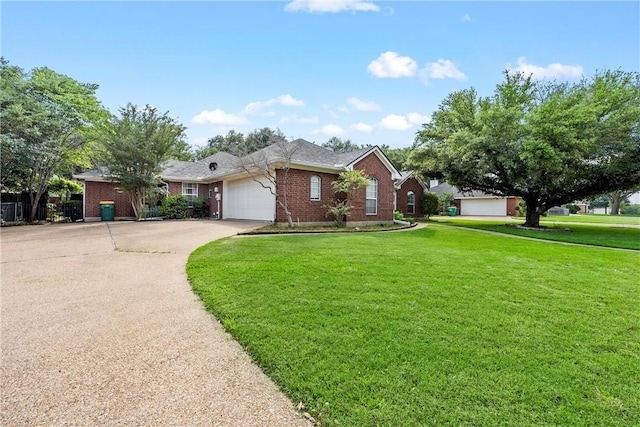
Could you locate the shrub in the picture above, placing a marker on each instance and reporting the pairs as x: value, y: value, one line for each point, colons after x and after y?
x: 521, y: 208
x: 200, y: 208
x: 339, y: 211
x: 630, y: 209
x: 430, y: 204
x: 174, y: 207
x: 398, y: 216
x: 573, y: 209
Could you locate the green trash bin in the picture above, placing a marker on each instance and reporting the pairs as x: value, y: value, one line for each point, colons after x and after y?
x: 453, y: 211
x: 107, y: 210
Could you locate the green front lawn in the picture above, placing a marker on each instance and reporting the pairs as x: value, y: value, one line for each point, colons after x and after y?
x: 597, y: 235
x: 438, y: 326
x: 593, y: 219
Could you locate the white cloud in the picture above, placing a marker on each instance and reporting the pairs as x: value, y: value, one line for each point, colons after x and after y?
x: 218, y: 117
x: 331, y: 6
x: 329, y: 130
x: 466, y: 18
x: 441, y: 69
x: 362, y: 127
x: 396, y: 122
x: 286, y: 100
x: 363, y: 105
x: 390, y: 64
x: 550, y: 71
x: 329, y: 111
x: 342, y: 109
x: 299, y: 120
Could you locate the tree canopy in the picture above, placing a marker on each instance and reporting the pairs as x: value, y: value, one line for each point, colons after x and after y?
x: 49, y: 122
x: 547, y: 142
x: 135, y: 146
x: 236, y: 143
x: 340, y: 146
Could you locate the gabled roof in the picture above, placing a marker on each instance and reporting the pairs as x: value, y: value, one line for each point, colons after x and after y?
x: 404, y: 176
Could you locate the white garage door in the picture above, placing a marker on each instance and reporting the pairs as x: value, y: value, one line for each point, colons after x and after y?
x: 484, y: 207
x: 246, y: 199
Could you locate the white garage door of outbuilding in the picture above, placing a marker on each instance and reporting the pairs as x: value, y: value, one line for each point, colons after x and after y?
x: 246, y: 199
x: 483, y: 207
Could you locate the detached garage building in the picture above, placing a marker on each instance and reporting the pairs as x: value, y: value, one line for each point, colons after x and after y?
x: 477, y: 203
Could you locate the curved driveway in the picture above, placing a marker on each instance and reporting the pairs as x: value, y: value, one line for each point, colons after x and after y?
x: 99, y: 326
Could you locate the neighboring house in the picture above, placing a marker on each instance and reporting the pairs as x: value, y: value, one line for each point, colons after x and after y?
x: 409, y: 194
x: 230, y: 185
x: 477, y: 203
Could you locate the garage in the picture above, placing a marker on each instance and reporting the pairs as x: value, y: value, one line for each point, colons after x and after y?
x: 483, y: 207
x: 246, y: 199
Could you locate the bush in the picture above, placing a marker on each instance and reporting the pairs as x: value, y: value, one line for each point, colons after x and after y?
x: 430, y: 204
x: 339, y: 211
x: 174, y: 207
x: 630, y: 209
x: 398, y: 216
x: 200, y: 208
x: 573, y: 209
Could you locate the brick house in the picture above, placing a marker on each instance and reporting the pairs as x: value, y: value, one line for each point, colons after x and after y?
x: 230, y: 185
x: 409, y: 194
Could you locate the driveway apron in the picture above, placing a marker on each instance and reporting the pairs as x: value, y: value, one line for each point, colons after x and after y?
x: 99, y: 326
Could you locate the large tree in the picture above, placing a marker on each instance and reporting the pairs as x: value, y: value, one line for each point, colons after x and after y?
x: 48, y: 123
x: 549, y: 143
x: 135, y: 147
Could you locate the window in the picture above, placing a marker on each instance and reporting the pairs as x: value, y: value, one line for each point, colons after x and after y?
x: 190, y: 191
x: 372, y: 197
x: 411, y: 202
x: 315, y: 187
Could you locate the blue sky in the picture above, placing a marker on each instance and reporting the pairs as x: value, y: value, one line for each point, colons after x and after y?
x: 367, y: 71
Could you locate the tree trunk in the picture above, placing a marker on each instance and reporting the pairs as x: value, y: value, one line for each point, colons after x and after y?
x: 533, y: 216
x: 616, y: 199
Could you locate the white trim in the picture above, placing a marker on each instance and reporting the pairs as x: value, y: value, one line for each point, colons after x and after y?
x: 367, y: 198
x: 311, y: 188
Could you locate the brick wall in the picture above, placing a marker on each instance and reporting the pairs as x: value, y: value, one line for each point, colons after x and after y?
x: 374, y: 167
x: 411, y: 184
x: 299, y: 202
x: 95, y: 192
x: 512, y: 202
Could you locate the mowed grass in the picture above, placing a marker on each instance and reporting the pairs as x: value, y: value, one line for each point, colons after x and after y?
x: 594, y: 219
x: 597, y: 235
x: 432, y: 327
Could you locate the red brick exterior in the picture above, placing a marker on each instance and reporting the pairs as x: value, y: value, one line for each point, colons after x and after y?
x: 95, y: 192
x: 299, y: 202
x: 512, y: 202
x: 410, y: 184
x: 302, y: 208
x: 305, y: 210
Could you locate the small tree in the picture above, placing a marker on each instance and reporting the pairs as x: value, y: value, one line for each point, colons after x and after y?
x: 344, y: 188
x: 430, y: 204
x: 135, y: 147
x: 445, y: 200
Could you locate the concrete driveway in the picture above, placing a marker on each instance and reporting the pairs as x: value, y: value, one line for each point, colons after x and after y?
x: 99, y: 326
